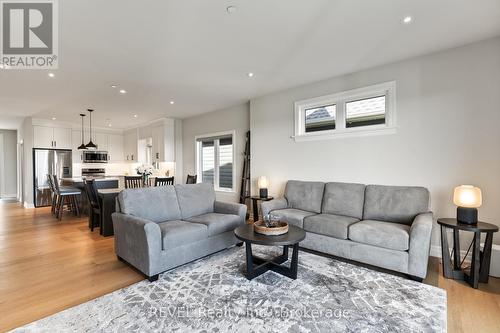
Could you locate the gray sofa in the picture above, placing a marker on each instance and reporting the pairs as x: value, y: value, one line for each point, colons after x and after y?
x: 162, y: 227
x: 385, y: 226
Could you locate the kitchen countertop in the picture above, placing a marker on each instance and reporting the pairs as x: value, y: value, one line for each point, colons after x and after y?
x: 80, y: 179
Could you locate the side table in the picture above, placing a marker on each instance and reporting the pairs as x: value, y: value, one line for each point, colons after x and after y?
x: 255, y: 200
x: 480, y: 265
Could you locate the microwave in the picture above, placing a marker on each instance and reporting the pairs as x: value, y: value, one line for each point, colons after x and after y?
x: 94, y: 156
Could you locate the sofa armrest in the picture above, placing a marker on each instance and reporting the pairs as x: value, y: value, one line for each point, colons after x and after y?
x: 268, y: 206
x: 231, y: 208
x: 138, y: 241
x: 420, y: 243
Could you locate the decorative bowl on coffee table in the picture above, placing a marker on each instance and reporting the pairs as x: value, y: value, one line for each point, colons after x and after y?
x: 280, y: 229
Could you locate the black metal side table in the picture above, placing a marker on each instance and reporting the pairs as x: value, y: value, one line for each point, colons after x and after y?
x: 480, y: 265
x: 256, y: 207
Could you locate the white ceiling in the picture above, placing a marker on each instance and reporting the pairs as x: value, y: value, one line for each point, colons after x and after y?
x: 197, y: 54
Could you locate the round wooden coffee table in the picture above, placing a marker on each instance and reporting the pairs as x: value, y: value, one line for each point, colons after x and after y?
x: 292, y: 238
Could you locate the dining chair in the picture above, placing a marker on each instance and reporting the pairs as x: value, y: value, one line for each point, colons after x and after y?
x: 94, y: 205
x: 65, y: 196
x: 191, y: 179
x: 133, y: 181
x: 164, y: 181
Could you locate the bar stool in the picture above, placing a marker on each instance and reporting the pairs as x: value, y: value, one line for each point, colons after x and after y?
x: 95, y: 206
x: 65, y: 195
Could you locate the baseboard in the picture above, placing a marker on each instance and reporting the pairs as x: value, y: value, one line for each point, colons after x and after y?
x: 9, y: 196
x: 28, y: 205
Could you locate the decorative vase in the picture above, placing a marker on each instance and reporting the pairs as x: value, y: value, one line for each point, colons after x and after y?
x: 145, y: 182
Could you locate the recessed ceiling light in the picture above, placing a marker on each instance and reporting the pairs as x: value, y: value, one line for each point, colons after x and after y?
x: 407, y: 20
x: 123, y: 91
x: 52, y: 75
x: 231, y: 9
x: 135, y: 116
x: 109, y: 125
x: 54, y: 118
x: 113, y: 86
x: 250, y: 74
x: 172, y: 102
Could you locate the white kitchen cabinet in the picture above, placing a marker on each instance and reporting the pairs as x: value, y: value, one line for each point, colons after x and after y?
x: 51, y: 137
x: 76, y: 141
x: 115, y: 147
x: 164, y: 142
x: 62, y: 138
x: 100, y: 140
x: 130, y: 139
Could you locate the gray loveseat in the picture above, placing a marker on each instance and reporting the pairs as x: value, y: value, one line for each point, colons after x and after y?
x: 160, y: 228
x: 385, y: 226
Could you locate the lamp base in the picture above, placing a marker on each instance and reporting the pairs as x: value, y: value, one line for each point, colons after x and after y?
x: 467, y: 215
x: 263, y: 192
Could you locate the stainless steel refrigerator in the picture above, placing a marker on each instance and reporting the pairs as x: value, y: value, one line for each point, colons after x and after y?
x: 49, y: 161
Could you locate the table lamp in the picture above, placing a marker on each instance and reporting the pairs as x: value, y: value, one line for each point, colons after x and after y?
x: 467, y: 198
x: 262, y: 183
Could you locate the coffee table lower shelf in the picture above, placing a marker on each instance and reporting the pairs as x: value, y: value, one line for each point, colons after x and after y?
x: 257, y: 266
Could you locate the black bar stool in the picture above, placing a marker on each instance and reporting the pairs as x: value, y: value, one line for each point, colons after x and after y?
x: 95, y: 206
x: 65, y: 196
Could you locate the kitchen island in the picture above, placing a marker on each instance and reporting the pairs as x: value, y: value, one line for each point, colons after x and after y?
x: 107, y: 190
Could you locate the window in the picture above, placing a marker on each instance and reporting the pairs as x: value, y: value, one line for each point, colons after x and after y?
x: 369, y: 110
x: 215, y: 160
x: 321, y: 118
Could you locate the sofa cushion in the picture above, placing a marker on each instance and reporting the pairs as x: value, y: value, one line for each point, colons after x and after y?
x: 329, y: 225
x: 217, y: 223
x: 395, y: 203
x: 155, y: 204
x: 292, y: 216
x: 178, y: 233
x: 195, y: 199
x: 304, y: 195
x: 345, y: 199
x: 394, y: 236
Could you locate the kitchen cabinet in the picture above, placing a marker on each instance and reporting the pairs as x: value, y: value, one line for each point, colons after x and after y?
x: 164, y: 142
x: 100, y: 140
x: 51, y: 137
x: 115, y: 147
x: 130, y: 139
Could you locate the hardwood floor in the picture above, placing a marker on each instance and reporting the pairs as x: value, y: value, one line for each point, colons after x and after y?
x: 48, y: 265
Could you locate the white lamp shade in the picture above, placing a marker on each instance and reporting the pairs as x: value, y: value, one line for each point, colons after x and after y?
x: 467, y: 196
x: 262, y: 182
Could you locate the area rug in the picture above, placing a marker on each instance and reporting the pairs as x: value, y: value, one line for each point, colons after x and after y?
x: 212, y: 295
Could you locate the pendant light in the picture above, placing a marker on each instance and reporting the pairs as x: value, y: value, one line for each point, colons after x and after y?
x: 90, y: 145
x: 82, y: 146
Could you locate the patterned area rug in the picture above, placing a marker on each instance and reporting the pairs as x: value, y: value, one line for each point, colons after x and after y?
x: 212, y: 295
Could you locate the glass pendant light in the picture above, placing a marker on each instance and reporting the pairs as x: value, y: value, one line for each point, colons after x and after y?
x: 90, y: 145
x: 82, y: 146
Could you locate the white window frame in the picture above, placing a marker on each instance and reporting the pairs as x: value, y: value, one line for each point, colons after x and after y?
x: 387, y: 89
x: 198, y: 161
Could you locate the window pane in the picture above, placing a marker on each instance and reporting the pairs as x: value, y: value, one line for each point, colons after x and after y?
x: 365, y: 112
x: 207, y: 161
x: 226, y: 163
x: 321, y: 118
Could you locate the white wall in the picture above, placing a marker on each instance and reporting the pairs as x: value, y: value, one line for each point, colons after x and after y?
x: 234, y: 118
x: 448, y: 114
x: 8, y: 160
